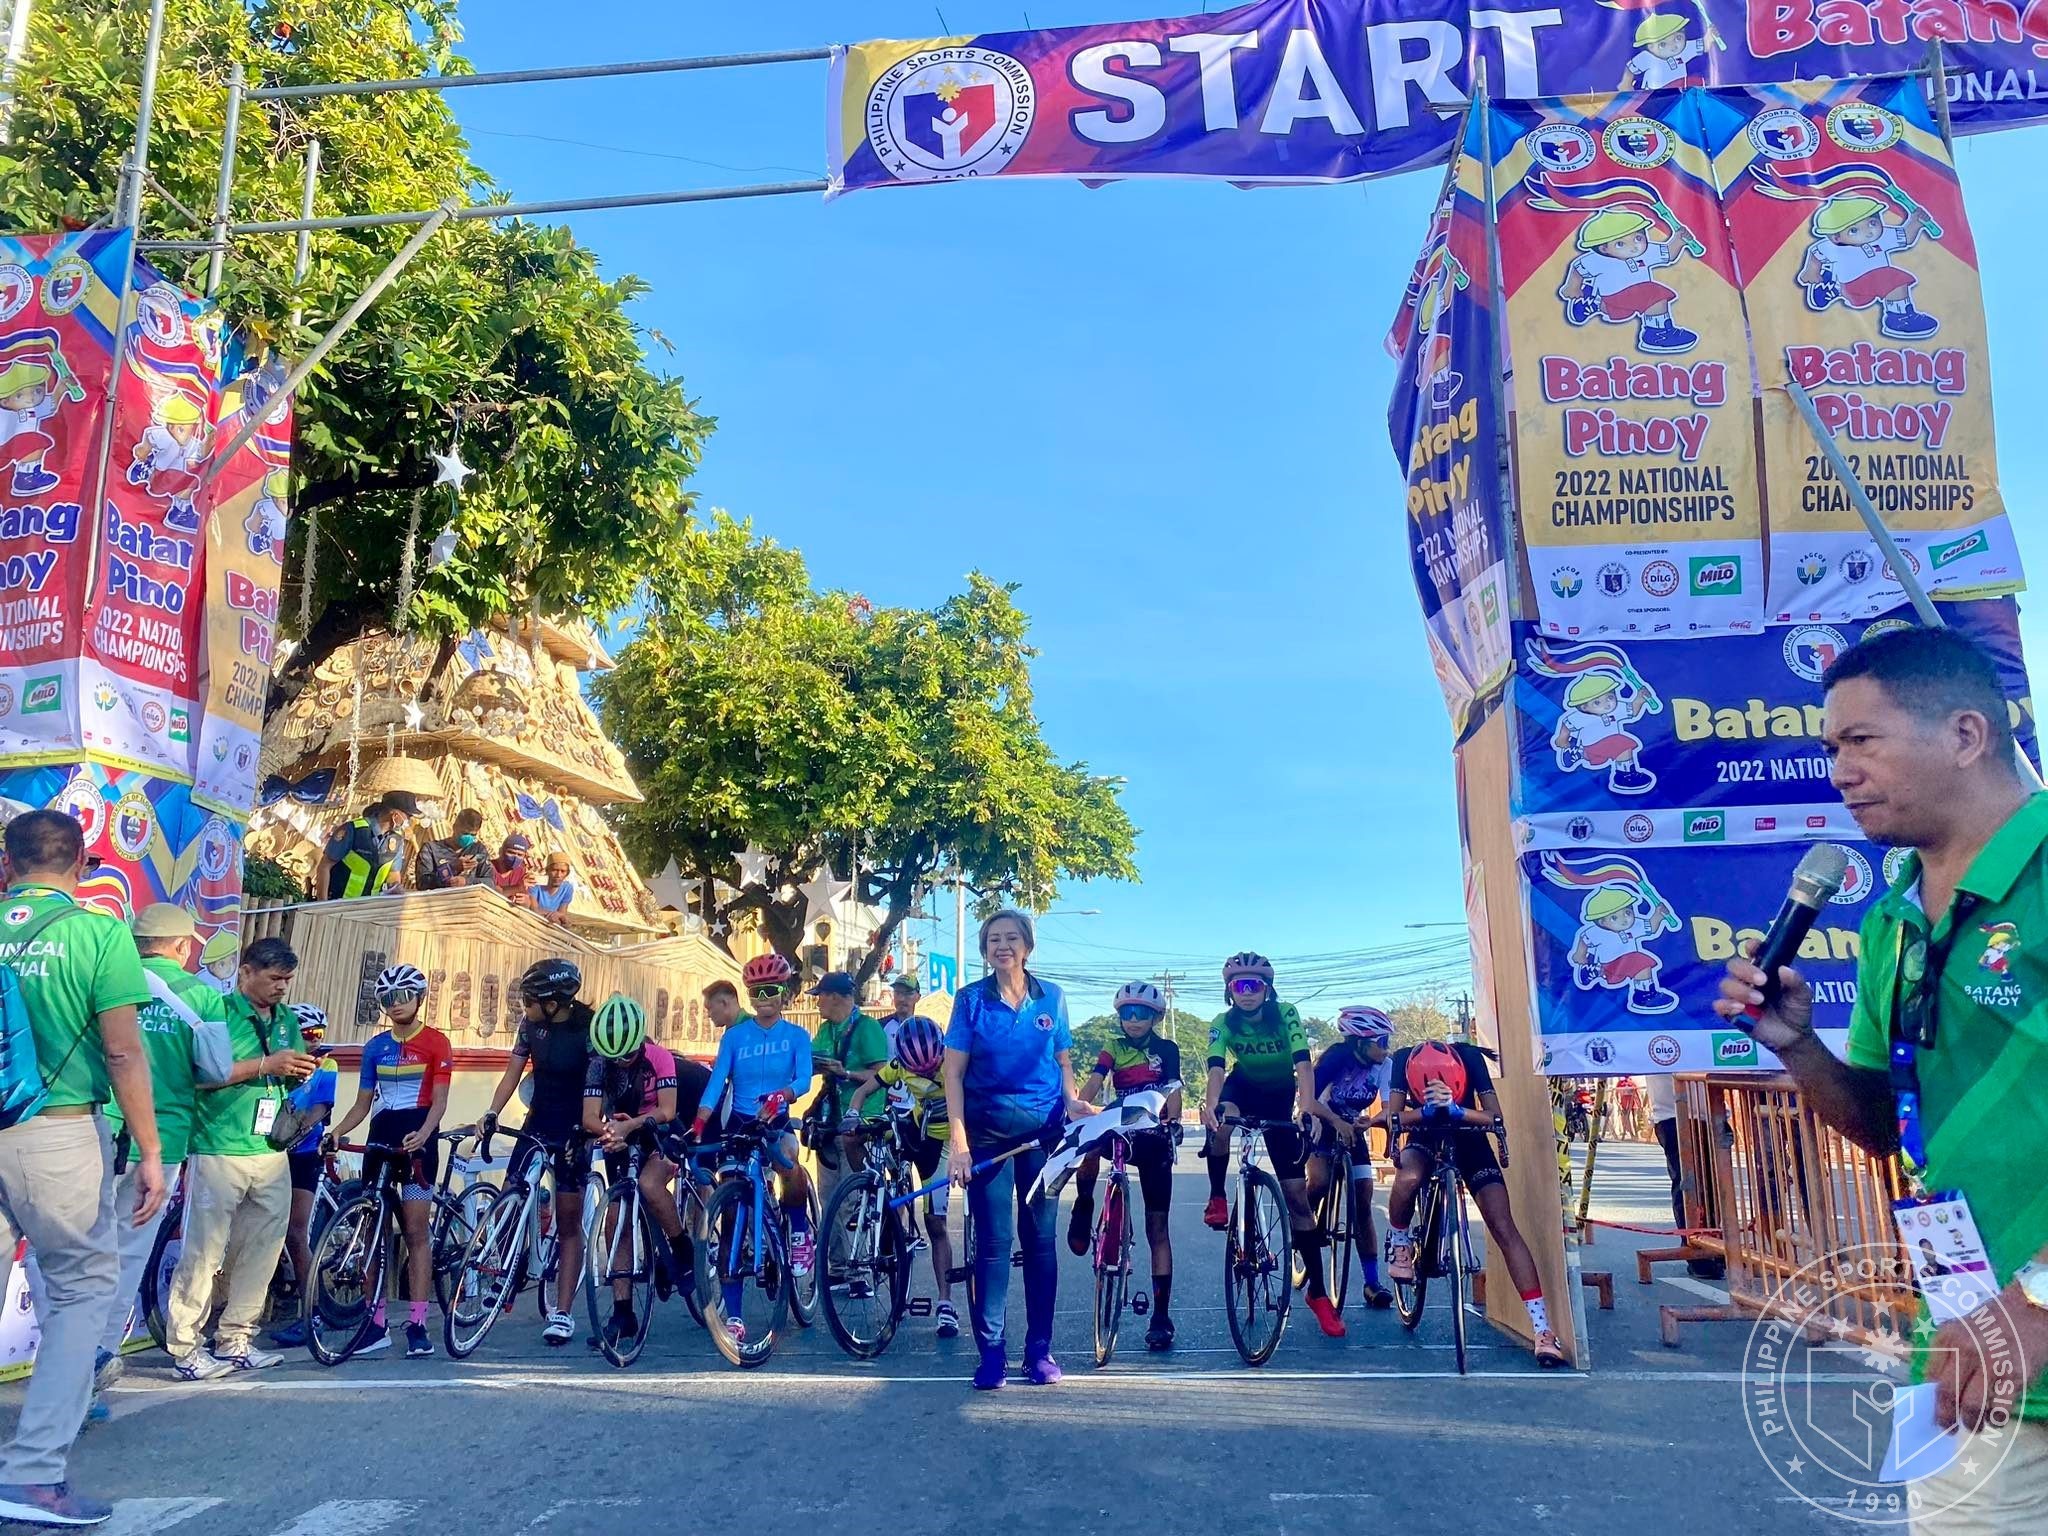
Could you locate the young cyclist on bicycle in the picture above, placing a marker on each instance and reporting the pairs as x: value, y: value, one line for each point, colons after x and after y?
x: 763, y: 1058
x: 1261, y: 1040
x: 1141, y: 1059
x: 406, y: 1073
x: 913, y: 1070
x: 629, y: 1088
x: 1351, y: 1076
x: 1437, y: 1088
x: 554, y: 1041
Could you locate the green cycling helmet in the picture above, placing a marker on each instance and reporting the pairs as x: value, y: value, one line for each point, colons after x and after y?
x: 619, y: 1028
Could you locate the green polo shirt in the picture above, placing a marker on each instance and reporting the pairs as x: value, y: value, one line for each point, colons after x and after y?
x: 1980, y: 1085
x: 225, y: 1125
x: 167, y: 1042
x: 70, y: 973
x: 859, y: 1045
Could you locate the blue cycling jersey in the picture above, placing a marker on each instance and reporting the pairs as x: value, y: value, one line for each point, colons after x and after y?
x: 754, y: 1062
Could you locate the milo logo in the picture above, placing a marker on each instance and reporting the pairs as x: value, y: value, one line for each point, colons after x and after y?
x: 1715, y: 578
x: 1947, y: 554
x: 42, y: 696
x: 1733, y: 1050
x: 1705, y: 827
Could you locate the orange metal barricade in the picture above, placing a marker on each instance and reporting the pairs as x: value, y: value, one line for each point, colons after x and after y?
x: 1803, y: 1214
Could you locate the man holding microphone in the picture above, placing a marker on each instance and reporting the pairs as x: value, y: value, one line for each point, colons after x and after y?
x: 1948, y: 1045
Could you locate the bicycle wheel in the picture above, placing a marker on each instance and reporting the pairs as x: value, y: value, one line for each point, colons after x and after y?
x: 1453, y: 1245
x: 348, y: 1279
x: 156, y: 1275
x: 455, y: 1223
x: 1258, y: 1255
x: 740, y: 1270
x: 1327, y: 1212
x: 967, y: 1271
x: 692, y: 1211
x: 620, y: 1247
x: 803, y: 1290
x: 865, y: 1267
x: 1409, y: 1294
x: 486, y: 1276
x: 1338, y: 1227
x: 1112, y: 1269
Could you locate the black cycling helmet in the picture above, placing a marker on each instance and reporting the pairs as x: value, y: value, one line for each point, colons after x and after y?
x: 552, y: 980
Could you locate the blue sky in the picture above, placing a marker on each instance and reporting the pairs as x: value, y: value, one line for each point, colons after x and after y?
x: 1159, y: 407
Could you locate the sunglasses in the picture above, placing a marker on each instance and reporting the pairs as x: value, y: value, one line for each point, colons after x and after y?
x: 1130, y: 1013
x: 1245, y: 986
x: 1920, y: 967
x: 766, y: 992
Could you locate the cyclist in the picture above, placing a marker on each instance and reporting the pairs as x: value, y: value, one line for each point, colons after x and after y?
x: 1351, y: 1076
x: 1436, y: 1088
x: 1142, y: 1058
x: 1261, y: 1040
x: 406, y: 1073
x: 765, y: 1062
x: 304, y: 1159
x: 629, y: 1088
x: 554, y: 1041
x: 913, y: 1070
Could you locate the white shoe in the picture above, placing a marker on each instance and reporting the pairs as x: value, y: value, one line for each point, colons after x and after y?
x: 200, y: 1365
x: 561, y: 1328
x: 252, y: 1359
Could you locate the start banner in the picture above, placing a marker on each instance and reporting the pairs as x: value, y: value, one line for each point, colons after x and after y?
x: 1627, y: 952
x: 1634, y: 444
x: 1336, y: 90
x: 1707, y: 741
x: 1446, y: 430
x: 1862, y: 288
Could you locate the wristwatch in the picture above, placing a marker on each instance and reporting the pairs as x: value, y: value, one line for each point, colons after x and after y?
x: 2032, y: 1279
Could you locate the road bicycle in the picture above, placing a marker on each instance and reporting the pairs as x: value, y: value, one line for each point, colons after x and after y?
x: 627, y: 1246
x: 1258, y: 1247
x: 744, y: 1277
x: 514, y: 1245
x: 1443, y: 1236
x: 1336, y: 1211
x: 1110, y: 1248
x: 869, y: 1244
x: 358, y: 1253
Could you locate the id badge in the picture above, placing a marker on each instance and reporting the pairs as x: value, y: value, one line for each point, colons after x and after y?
x: 266, y: 1115
x: 1949, y: 1259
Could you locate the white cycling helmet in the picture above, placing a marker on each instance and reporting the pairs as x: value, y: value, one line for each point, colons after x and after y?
x: 1142, y: 993
x: 1362, y: 1023
x: 399, y: 984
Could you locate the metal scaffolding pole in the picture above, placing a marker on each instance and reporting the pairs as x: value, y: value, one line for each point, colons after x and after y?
x: 17, y: 45
x: 524, y: 210
x: 537, y: 76
x: 302, y: 258
x: 224, y: 188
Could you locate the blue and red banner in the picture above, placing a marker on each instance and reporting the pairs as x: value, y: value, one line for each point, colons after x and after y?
x: 1338, y: 90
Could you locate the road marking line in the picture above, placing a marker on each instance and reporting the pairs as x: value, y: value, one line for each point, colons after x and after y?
x: 143, y: 1517
x: 349, y: 1517
x: 1713, y: 1293
x: 559, y: 1505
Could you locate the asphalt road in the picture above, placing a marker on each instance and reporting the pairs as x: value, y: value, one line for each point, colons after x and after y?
x: 1332, y: 1434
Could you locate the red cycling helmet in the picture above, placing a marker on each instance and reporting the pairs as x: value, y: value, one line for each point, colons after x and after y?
x: 767, y: 970
x: 1435, y: 1061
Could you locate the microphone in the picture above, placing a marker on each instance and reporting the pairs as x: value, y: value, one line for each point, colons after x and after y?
x: 1819, y: 876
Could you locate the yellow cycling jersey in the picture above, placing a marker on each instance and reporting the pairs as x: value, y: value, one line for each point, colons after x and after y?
x: 927, y: 1097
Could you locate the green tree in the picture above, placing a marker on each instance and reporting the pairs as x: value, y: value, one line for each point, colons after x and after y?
x: 509, y: 330
x: 818, y: 728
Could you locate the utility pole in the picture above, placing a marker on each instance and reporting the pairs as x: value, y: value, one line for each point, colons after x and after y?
x: 1166, y: 979
x: 1464, y: 1018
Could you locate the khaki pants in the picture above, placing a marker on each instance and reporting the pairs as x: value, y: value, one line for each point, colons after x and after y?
x: 133, y: 1244
x: 2013, y: 1500
x: 236, y: 1213
x: 51, y: 1192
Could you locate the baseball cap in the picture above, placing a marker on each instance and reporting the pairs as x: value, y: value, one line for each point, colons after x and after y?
x: 402, y: 800
x: 906, y: 982
x: 165, y: 920
x: 834, y: 984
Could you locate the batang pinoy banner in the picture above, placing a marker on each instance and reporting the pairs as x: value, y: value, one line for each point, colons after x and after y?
x: 1847, y: 219
x: 1447, y: 435
x: 1336, y: 90
x: 1708, y: 741
x: 1635, y: 453
x: 1627, y: 951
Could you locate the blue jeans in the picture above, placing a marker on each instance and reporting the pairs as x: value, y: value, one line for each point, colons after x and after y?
x: 988, y: 1205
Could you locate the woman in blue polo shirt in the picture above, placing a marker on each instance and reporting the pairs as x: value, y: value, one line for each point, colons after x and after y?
x: 1009, y: 1079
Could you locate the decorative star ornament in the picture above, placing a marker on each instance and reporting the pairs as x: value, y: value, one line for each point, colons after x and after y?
x: 442, y: 549
x: 720, y: 928
x: 753, y: 866
x: 824, y: 891
x: 415, y: 717
x: 449, y: 468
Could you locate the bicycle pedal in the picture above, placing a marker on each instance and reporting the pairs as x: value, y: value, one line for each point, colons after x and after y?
x: 920, y: 1306
x: 1141, y: 1304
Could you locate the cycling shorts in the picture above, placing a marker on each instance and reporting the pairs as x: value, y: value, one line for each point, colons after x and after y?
x: 617, y: 1163
x: 305, y: 1167
x: 1259, y: 1101
x: 1152, y: 1155
x: 1470, y: 1150
x: 391, y: 1126
x: 568, y: 1155
x: 928, y: 1156
x: 1322, y: 1137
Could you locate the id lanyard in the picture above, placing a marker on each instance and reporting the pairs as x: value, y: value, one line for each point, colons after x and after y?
x: 1916, y: 992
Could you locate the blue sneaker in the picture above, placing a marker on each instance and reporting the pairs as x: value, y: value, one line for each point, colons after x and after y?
x: 995, y: 1364
x: 51, y: 1504
x: 291, y: 1336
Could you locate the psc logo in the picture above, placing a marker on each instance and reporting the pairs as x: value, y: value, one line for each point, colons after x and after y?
x: 950, y: 112
x: 1811, y: 649
x: 1560, y: 147
x: 1665, y: 1050
x: 1784, y: 133
x: 1733, y: 1050
x: 1855, y: 883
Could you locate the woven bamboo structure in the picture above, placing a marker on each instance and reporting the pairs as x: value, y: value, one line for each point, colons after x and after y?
x: 473, y: 944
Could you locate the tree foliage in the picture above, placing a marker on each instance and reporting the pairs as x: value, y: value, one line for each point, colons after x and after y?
x: 818, y: 728
x: 509, y: 330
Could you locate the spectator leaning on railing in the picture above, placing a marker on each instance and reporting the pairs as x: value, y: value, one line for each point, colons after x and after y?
x: 79, y: 981
x: 1948, y: 1044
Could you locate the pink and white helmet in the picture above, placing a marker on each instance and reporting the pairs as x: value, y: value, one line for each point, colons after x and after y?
x: 1248, y: 964
x: 1362, y: 1023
